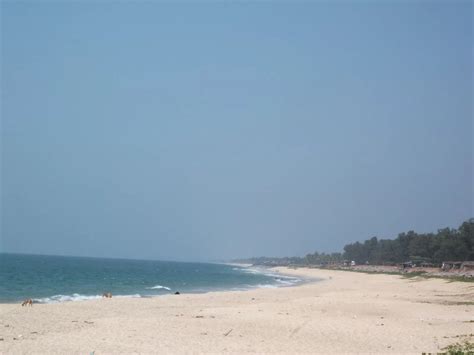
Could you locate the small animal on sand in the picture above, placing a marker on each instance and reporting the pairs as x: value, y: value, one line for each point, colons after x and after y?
x: 107, y: 295
x: 27, y: 302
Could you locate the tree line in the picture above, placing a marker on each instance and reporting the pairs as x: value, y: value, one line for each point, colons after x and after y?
x: 445, y: 245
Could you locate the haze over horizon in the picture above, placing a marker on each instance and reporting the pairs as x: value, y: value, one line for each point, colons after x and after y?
x: 225, y: 130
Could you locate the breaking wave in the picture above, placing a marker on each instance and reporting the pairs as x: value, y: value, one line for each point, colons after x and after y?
x: 75, y: 297
x: 157, y: 287
x: 281, y: 280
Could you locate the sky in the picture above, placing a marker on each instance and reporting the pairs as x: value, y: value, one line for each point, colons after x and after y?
x: 216, y: 130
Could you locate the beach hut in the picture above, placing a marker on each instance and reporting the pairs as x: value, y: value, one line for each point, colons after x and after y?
x: 427, y: 264
x: 451, y: 265
x: 467, y: 265
x: 406, y: 264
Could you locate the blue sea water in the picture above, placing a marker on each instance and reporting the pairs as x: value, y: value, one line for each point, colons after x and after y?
x: 49, y: 279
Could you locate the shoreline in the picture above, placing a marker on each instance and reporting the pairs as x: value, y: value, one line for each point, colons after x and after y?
x: 342, y: 312
x: 268, y: 271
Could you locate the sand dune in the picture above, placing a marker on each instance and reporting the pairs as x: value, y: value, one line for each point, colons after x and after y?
x: 346, y: 312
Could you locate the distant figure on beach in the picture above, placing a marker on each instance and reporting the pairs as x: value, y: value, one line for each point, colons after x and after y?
x: 27, y: 302
x: 177, y: 293
x: 107, y: 295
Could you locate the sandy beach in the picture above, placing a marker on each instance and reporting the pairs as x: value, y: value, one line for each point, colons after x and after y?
x: 344, y: 312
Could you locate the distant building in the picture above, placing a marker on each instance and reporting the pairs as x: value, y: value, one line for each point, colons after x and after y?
x: 467, y: 265
x: 451, y: 265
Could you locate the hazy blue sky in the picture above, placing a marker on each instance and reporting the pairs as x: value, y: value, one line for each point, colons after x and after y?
x: 208, y: 130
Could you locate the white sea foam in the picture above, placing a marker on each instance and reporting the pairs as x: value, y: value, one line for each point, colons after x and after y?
x: 75, y: 297
x: 282, y: 280
x: 287, y: 282
x: 157, y: 287
x: 136, y: 295
x: 66, y: 298
x: 253, y: 271
x: 267, y: 286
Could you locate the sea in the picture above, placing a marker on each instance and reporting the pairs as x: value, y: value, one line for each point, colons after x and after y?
x: 53, y: 279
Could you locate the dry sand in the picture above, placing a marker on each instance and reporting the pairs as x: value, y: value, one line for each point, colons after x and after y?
x: 346, y: 312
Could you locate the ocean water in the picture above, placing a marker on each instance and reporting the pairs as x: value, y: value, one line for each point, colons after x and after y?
x: 49, y: 279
